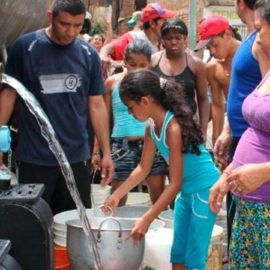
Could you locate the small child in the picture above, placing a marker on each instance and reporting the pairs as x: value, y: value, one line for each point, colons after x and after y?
x: 172, y: 130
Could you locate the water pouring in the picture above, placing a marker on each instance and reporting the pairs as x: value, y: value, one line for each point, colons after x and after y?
x: 55, y: 89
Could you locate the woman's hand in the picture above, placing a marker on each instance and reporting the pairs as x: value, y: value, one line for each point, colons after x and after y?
x: 217, y: 193
x: 249, y: 177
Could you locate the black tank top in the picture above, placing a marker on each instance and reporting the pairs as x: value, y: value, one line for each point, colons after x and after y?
x: 187, y: 79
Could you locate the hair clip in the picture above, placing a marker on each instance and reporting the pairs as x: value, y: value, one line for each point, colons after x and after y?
x: 162, y: 82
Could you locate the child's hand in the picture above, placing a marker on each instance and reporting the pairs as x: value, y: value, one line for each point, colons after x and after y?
x: 217, y: 193
x: 111, y: 204
x: 139, y: 229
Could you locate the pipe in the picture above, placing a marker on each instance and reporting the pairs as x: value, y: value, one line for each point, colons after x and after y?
x: 192, y: 23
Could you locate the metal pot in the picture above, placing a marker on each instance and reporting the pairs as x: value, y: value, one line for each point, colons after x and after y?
x: 116, y: 253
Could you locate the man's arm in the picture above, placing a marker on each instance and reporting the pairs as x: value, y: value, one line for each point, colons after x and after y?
x: 203, y: 102
x: 7, y: 102
x: 99, y: 119
x: 222, y: 145
x: 218, y: 105
x: 106, y: 52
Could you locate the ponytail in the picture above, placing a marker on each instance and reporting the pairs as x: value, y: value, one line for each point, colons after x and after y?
x: 170, y: 95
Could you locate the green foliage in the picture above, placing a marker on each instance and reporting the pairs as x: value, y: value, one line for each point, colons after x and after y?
x: 98, y: 28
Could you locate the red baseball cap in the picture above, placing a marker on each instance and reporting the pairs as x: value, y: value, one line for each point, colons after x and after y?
x: 155, y: 10
x: 210, y: 27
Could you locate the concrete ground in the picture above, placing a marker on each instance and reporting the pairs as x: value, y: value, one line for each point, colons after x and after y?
x: 222, y: 221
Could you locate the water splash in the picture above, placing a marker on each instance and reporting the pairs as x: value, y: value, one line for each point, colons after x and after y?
x: 48, y: 133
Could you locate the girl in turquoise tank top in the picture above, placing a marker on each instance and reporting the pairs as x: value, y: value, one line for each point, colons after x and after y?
x: 127, y: 132
x: 173, y: 131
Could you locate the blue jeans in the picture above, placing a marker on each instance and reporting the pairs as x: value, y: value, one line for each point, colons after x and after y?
x: 126, y: 156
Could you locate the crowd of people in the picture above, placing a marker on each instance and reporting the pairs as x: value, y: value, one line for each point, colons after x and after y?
x: 150, y: 118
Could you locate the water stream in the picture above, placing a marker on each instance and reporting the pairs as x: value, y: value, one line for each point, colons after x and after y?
x: 48, y: 133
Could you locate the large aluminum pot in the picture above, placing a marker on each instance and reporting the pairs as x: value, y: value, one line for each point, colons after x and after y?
x: 116, y: 253
x: 18, y: 17
x: 131, y: 211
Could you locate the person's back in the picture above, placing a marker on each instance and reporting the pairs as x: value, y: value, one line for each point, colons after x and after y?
x: 125, y: 125
x: 206, y: 170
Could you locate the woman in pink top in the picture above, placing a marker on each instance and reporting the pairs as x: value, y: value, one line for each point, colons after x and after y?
x: 248, y: 176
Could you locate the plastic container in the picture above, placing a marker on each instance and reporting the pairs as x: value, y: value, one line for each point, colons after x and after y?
x: 61, y: 261
x: 138, y: 198
x: 157, y: 251
x: 167, y: 217
x: 99, y: 194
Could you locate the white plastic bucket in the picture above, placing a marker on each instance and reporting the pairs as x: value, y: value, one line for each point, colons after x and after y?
x: 138, y: 198
x: 167, y: 217
x: 157, y: 252
x: 99, y: 194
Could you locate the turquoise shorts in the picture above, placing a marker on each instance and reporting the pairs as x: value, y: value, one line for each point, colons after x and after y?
x: 193, y: 225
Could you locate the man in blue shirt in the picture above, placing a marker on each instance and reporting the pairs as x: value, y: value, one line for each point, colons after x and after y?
x: 64, y: 74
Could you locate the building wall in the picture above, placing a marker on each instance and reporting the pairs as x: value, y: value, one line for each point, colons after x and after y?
x: 182, y: 8
x: 128, y: 8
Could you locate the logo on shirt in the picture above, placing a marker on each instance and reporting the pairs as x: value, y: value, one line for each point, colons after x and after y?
x: 71, y: 82
x: 60, y: 83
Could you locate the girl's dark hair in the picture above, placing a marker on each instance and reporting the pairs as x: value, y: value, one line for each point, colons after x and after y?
x: 138, y: 46
x: 73, y: 7
x: 264, y: 8
x: 170, y: 95
x: 174, y: 25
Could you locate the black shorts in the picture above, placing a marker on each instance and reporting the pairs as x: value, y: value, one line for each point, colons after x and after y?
x: 56, y: 192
